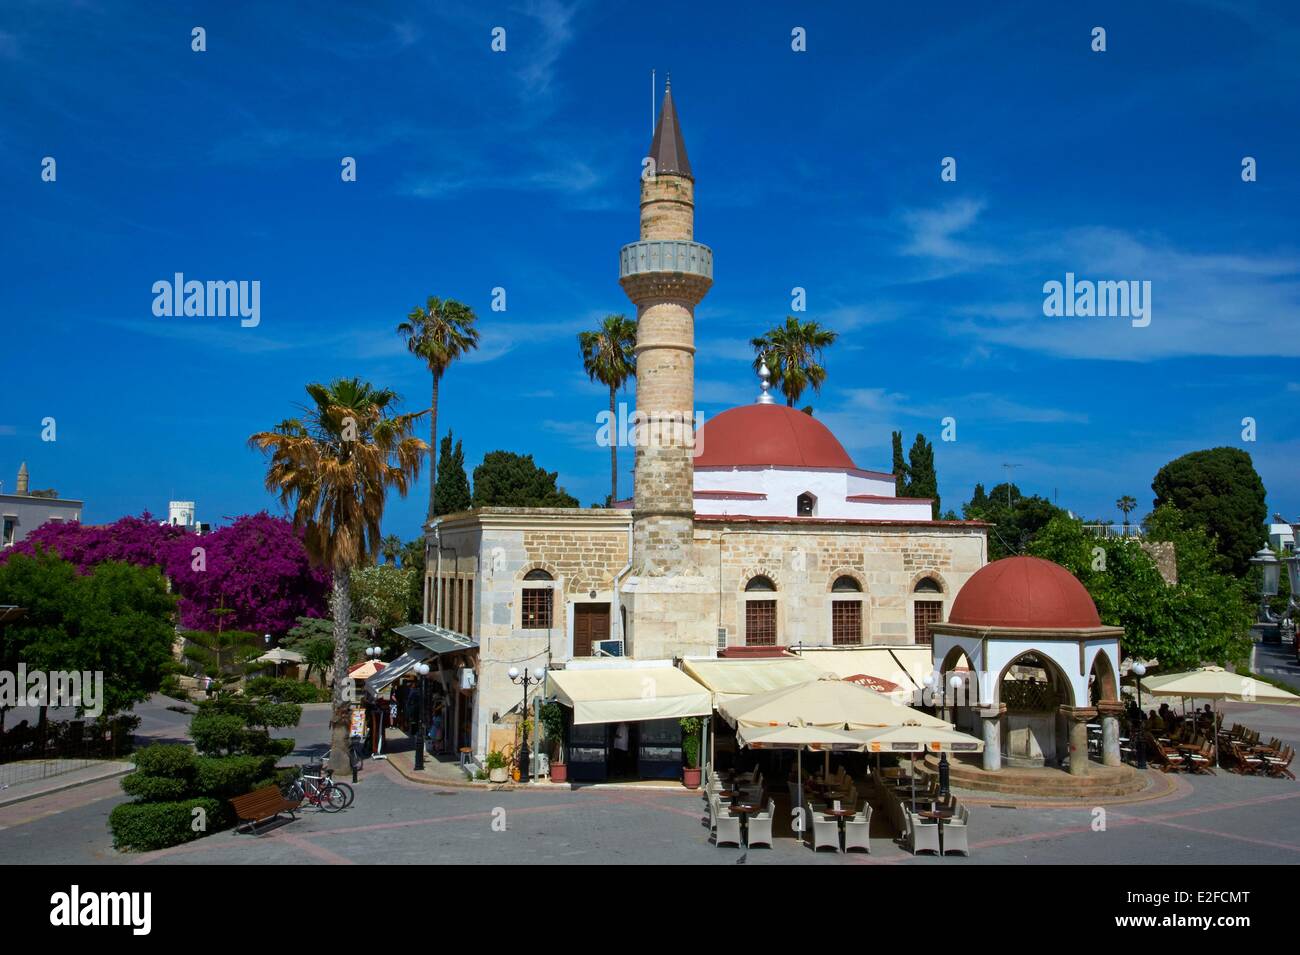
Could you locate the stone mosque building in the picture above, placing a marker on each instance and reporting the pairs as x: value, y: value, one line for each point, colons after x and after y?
x: 759, y: 534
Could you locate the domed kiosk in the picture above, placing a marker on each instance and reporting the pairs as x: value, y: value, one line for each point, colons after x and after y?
x: 1043, y: 665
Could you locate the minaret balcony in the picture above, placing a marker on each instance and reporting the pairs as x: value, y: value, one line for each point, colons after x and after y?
x: 665, y: 255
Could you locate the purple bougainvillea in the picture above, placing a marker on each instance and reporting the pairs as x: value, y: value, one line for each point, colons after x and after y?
x: 257, y: 567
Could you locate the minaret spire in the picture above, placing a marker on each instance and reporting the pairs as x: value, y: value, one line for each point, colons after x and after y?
x: 668, y: 149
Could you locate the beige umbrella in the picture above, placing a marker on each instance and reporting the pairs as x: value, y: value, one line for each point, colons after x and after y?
x: 1216, y: 683
x: 279, y: 655
x: 797, y: 737
x: 366, y: 669
x: 827, y: 702
x: 914, y: 738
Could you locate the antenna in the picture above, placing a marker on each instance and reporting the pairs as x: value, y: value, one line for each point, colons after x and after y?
x: 1009, y: 468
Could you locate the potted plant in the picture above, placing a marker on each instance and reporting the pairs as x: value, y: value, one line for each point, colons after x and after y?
x: 553, y: 723
x: 498, y: 772
x: 691, y: 726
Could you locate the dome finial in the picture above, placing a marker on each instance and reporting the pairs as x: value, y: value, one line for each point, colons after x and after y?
x: 765, y: 383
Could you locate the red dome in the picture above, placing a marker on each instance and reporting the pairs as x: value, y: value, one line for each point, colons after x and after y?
x: 1024, y: 592
x: 769, y: 436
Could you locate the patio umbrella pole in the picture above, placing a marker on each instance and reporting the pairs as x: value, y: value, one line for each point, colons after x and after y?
x: 798, y: 775
x: 912, y: 774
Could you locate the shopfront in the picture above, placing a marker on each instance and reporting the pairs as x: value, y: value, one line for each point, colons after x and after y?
x: 622, y: 717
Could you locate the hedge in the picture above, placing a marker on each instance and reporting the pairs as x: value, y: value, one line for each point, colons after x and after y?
x: 144, y: 826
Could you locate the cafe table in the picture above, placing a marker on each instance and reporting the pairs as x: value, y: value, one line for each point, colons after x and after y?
x: 744, y: 810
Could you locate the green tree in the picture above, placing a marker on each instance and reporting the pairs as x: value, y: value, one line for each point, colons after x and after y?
x: 1204, y: 618
x: 224, y: 656
x: 1016, y: 519
x: 452, y: 493
x: 900, y: 465
x: 793, y: 353
x: 413, y: 559
x: 334, y: 468
x: 382, y: 592
x: 922, y: 480
x: 439, y: 333
x: 117, y: 620
x: 506, y: 479
x: 390, y: 547
x: 1126, y: 505
x: 609, y: 357
x: 1220, y: 490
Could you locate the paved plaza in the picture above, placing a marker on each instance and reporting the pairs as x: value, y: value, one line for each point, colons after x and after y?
x: 1221, y: 819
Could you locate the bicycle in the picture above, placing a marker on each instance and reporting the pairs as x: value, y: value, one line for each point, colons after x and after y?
x: 320, y: 791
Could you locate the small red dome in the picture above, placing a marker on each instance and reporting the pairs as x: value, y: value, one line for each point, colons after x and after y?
x: 769, y: 436
x: 1024, y: 592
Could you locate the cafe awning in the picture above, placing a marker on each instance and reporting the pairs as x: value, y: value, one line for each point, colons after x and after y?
x: 908, y: 666
x: 733, y: 678
x: 827, y: 702
x: 435, y: 639
x: 397, y: 669
x: 629, y: 694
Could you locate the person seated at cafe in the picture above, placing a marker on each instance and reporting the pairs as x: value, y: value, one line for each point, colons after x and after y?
x: 1155, y: 723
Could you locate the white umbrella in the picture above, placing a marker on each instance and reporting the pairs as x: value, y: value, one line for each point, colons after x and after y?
x: 914, y: 738
x: 798, y: 737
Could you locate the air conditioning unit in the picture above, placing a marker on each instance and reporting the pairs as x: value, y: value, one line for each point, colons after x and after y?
x: 465, y: 677
x: 608, y: 648
x: 722, y: 638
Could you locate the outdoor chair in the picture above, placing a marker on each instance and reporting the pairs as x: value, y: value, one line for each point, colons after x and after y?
x: 857, y: 831
x: 826, y: 832
x: 954, y: 837
x: 1244, y: 762
x: 727, y: 831
x: 1280, y: 765
x: 760, y: 826
x: 924, y: 834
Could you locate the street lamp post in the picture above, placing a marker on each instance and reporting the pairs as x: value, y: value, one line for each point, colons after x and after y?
x: 1139, y: 671
x: 956, y: 683
x: 525, y: 679
x: 421, y: 671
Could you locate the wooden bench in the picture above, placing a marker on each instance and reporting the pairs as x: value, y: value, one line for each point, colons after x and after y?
x: 262, y: 805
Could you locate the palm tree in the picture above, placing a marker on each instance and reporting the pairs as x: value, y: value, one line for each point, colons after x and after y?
x: 333, y: 467
x: 609, y: 357
x: 390, y: 547
x: 440, y: 332
x: 1126, y: 504
x: 793, y: 353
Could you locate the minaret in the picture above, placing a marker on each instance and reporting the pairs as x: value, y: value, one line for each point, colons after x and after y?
x: 22, y: 479
x: 665, y: 275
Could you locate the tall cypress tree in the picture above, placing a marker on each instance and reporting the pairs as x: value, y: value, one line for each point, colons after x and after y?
x: 900, y: 466
x: 923, y: 482
x: 451, y: 494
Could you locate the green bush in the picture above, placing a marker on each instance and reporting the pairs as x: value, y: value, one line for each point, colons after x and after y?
x: 216, y: 733
x: 166, y: 759
x: 149, y: 788
x: 143, y: 826
x: 224, y: 777
x: 282, y: 690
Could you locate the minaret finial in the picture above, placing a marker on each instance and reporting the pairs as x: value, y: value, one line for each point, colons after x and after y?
x: 668, y: 82
x: 765, y: 383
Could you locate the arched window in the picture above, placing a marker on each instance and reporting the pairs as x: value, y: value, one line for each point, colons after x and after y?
x: 760, y: 613
x: 537, y: 603
x: 806, y: 505
x: 926, y: 611
x: 846, y: 612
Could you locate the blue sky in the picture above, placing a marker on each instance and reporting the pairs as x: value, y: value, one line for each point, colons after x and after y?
x: 520, y: 169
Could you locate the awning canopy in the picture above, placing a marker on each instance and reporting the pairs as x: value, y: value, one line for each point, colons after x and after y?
x: 797, y: 737
x: 907, y: 666
x: 397, y: 669
x: 828, y: 702
x: 733, y: 678
x: 917, y: 739
x: 629, y: 694
x: 435, y: 639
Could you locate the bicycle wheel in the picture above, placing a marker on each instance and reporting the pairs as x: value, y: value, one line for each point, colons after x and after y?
x: 347, y: 791
x: 333, y: 799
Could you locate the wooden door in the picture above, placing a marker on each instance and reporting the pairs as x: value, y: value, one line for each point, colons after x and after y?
x: 590, y: 624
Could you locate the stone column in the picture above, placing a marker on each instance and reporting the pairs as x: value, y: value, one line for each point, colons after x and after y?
x: 1110, y: 711
x: 991, y: 723
x: 1077, y: 717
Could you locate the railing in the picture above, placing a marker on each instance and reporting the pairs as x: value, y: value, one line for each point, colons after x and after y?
x: 665, y: 255
x: 28, y: 754
x: 1114, y: 530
